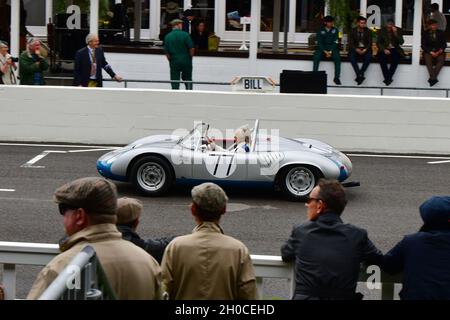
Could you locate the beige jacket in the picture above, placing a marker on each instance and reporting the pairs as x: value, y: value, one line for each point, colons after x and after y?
x: 208, y: 265
x: 132, y: 272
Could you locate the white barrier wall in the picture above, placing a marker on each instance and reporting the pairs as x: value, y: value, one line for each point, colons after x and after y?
x: 118, y: 116
x: 217, y: 69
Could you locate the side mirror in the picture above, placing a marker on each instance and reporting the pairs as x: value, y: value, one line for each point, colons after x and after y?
x: 203, y: 148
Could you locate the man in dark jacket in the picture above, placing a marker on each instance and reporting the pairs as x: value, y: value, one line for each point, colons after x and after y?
x: 433, y: 46
x: 327, y: 252
x: 424, y: 257
x: 89, y: 62
x: 389, y: 45
x: 128, y: 215
x: 360, y: 45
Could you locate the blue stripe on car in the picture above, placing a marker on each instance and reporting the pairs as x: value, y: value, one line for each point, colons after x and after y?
x: 105, y: 170
x: 343, y: 174
x: 227, y: 183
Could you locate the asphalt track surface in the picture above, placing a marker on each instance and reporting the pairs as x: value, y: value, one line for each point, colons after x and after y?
x: 386, y: 203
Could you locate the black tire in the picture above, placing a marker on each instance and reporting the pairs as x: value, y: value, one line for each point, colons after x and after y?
x: 297, y: 181
x: 152, y: 176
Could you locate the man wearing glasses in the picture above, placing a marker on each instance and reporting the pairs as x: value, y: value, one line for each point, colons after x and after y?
x: 327, y: 252
x: 88, y: 207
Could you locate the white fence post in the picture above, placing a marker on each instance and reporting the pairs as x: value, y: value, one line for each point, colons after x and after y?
x: 9, y: 281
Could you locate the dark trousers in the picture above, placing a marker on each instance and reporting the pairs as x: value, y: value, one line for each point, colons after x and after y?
x: 185, y: 71
x: 434, y: 65
x: 388, y: 72
x: 318, y: 55
x: 366, y: 59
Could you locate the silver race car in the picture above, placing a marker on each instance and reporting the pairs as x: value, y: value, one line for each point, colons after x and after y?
x: 153, y: 164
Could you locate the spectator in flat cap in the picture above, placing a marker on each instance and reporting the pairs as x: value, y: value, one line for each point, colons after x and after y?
x: 88, y: 207
x: 208, y: 264
x: 128, y: 216
x: 189, y: 21
x: 424, y: 257
x: 179, y: 50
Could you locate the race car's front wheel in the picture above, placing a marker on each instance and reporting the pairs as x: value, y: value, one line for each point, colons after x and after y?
x: 297, y: 181
x: 151, y: 175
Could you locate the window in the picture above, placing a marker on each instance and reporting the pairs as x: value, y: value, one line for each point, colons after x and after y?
x: 170, y: 10
x: 204, y: 11
x: 35, y: 12
x: 408, y: 17
x: 126, y: 8
x: 309, y: 15
x: 267, y: 10
x: 234, y: 10
x: 385, y: 7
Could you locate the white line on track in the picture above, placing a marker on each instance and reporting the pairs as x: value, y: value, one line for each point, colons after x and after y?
x: 7, y: 190
x: 90, y: 150
x: 394, y: 156
x: 55, y: 145
x: 30, y: 164
x: 439, y: 162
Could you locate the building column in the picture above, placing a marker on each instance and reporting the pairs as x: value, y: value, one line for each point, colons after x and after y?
x: 417, y: 38
x: 93, y: 21
x: 155, y: 18
x: 49, y: 11
x: 15, y: 28
x: 137, y: 20
x: 363, y: 8
x: 276, y: 25
x: 254, y: 32
x: 398, y: 12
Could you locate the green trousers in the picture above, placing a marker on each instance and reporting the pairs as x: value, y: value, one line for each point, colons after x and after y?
x: 318, y: 55
x: 183, y: 71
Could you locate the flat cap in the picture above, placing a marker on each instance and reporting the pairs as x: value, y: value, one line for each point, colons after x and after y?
x: 174, y: 22
x: 328, y: 19
x: 128, y: 210
x: 93, y: 194
x: 209, y: 197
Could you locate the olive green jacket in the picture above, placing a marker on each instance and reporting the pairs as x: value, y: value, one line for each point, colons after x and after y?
x: 131, y: 272
x: 27, y: 69
x: 208, y: 265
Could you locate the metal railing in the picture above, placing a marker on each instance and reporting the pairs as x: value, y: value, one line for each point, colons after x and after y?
x: 272, y: 267
x: 381, y: 89
x: 82, y: 279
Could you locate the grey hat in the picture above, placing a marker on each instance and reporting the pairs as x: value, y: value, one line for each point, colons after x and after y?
x: 95, y: 195
x: 128, y: 210
x: 209, y: 197
x: 174, y: 22
x: 3, y: 44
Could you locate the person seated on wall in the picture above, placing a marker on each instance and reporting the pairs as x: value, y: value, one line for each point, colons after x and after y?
x: 433, y: 46
x: 360, y: 44
x: 327, y: 40
x: 389, y: 45
x: 242, y: 138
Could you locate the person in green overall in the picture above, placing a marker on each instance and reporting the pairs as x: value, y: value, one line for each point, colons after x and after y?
x: 179, y: 51
x: 327, y: 40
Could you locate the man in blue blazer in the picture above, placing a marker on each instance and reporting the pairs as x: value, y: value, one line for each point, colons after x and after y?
x: 89, y: 62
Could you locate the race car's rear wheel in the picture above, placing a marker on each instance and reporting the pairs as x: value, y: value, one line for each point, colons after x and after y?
x: 151, y: 175
x: 297, y: 181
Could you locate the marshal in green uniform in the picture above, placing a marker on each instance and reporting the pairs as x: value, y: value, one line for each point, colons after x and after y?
x: 327, y: 39
x: 179, y: 51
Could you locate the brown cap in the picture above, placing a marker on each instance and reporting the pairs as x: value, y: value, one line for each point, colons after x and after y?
x: 128, y: 210
x: 209, y: 197
x: 95, y: 195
